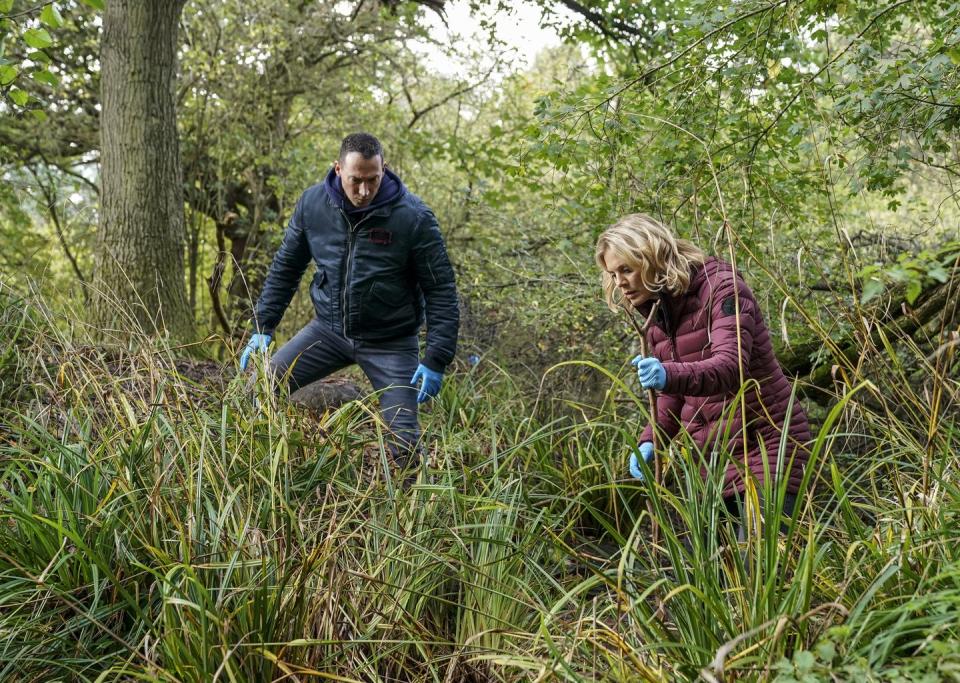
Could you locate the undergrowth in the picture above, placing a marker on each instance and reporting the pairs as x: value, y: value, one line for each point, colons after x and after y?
x: 156, y: 527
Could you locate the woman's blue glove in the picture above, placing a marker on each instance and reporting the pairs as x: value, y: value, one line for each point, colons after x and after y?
x: 430, y: 386
x: 258, y: 342
x: 651, y: 372
x: 646, y: 452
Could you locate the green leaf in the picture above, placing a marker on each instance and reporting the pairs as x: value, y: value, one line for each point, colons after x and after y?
x: 44, y: 76
x: 50, y: 16
x: 39, y: 115
x: 938, y: 272
x: 8, y: 74
x: 19, y: 97
x: 871, y: 290
x: 826, y: 651
x: 913, y: 290
x: 804, y: 661
x: 37, y: 38
x: 6, y: 6
x: 899, y: 274
x: 95, y: 4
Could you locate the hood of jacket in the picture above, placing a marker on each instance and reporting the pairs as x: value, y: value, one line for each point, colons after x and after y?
x: 391, y: 188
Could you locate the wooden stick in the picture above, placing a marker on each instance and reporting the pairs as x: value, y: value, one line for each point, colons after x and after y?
x: 652, y: 403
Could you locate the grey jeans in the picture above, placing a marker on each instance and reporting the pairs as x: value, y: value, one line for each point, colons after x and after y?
x: 315, y: 352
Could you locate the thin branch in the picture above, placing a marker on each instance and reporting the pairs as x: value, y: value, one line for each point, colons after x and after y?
x: 601, y: 22
x: 808, y: 81
x: 456, y: 93
x: 908, y: 96
x: 652, y: 406
x: 216, y: 277
x: 31, y: 10
x: 51, y: 199
x: 723, y: 27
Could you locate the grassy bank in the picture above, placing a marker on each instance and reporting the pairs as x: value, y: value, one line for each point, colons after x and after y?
x: 156, y: 527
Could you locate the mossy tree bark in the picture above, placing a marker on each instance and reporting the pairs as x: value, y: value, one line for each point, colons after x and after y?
x: 139, y: 280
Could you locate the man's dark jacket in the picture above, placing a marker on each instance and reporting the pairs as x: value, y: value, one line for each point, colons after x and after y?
x: 378, y: 271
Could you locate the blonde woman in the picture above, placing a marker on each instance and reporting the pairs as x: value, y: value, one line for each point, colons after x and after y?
x: 707, y: 341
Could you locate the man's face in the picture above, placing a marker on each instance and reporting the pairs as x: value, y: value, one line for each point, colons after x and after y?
x: 360, y: 177
x: 627, y: 279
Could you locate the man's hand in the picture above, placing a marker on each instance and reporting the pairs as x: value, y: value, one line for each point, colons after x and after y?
x: 258, y: 342
x: 651, y: 372
x: 646, y: 452
x: 430, y: 385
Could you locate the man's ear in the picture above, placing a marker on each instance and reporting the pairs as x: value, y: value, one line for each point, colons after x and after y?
x: 336, y: 167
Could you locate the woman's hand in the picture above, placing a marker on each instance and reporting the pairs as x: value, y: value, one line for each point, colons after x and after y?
x: 651, y: 372
x: 646, y: 452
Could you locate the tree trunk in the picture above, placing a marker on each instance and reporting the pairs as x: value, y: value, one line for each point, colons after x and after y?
x: 139, y: 280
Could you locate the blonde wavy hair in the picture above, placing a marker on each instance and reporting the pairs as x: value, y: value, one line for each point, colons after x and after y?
x: 665, y: 262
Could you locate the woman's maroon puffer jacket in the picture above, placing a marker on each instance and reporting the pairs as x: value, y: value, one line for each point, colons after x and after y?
x: 695, y: 337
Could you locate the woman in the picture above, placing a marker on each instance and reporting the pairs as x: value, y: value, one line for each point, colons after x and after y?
x: 708, y: 340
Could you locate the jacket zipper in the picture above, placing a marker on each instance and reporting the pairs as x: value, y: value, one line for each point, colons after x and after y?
x: 345, y: 277
x: 668, y: 324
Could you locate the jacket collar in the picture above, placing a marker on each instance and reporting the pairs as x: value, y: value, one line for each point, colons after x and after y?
x: 391, y: 190
x: 671, y: 305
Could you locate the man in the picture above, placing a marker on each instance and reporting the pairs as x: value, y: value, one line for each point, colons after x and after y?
x: 381, y: 265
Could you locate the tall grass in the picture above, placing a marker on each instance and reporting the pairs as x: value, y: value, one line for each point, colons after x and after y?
x: 153, y: 528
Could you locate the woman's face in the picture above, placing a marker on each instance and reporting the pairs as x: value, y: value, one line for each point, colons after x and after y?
x: 627, y: 279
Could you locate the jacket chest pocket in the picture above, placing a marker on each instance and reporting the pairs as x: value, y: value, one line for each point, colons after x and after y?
x: 380, y: 245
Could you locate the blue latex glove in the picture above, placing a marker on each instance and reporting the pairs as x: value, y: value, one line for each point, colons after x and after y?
x: 651, y: 372
x: 646, y: 452
x: 430, y: 385
x: 258, y: 342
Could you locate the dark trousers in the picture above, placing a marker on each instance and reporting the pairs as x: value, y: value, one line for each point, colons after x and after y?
x: 734, y: 506
x: 316, y: 352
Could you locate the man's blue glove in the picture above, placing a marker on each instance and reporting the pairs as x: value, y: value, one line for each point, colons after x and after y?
x: 651, y: 372
x: 430, y: 386
x: 258, y: 342
x: 646, y: 452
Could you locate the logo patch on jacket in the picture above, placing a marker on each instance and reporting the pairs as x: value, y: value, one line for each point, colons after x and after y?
x: 729, y: 306
x: 380, y: 236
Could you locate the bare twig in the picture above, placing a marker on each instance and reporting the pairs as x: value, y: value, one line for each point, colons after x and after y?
x: 652, y: 404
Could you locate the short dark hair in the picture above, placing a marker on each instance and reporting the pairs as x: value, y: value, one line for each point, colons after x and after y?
x: 364, y: 143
